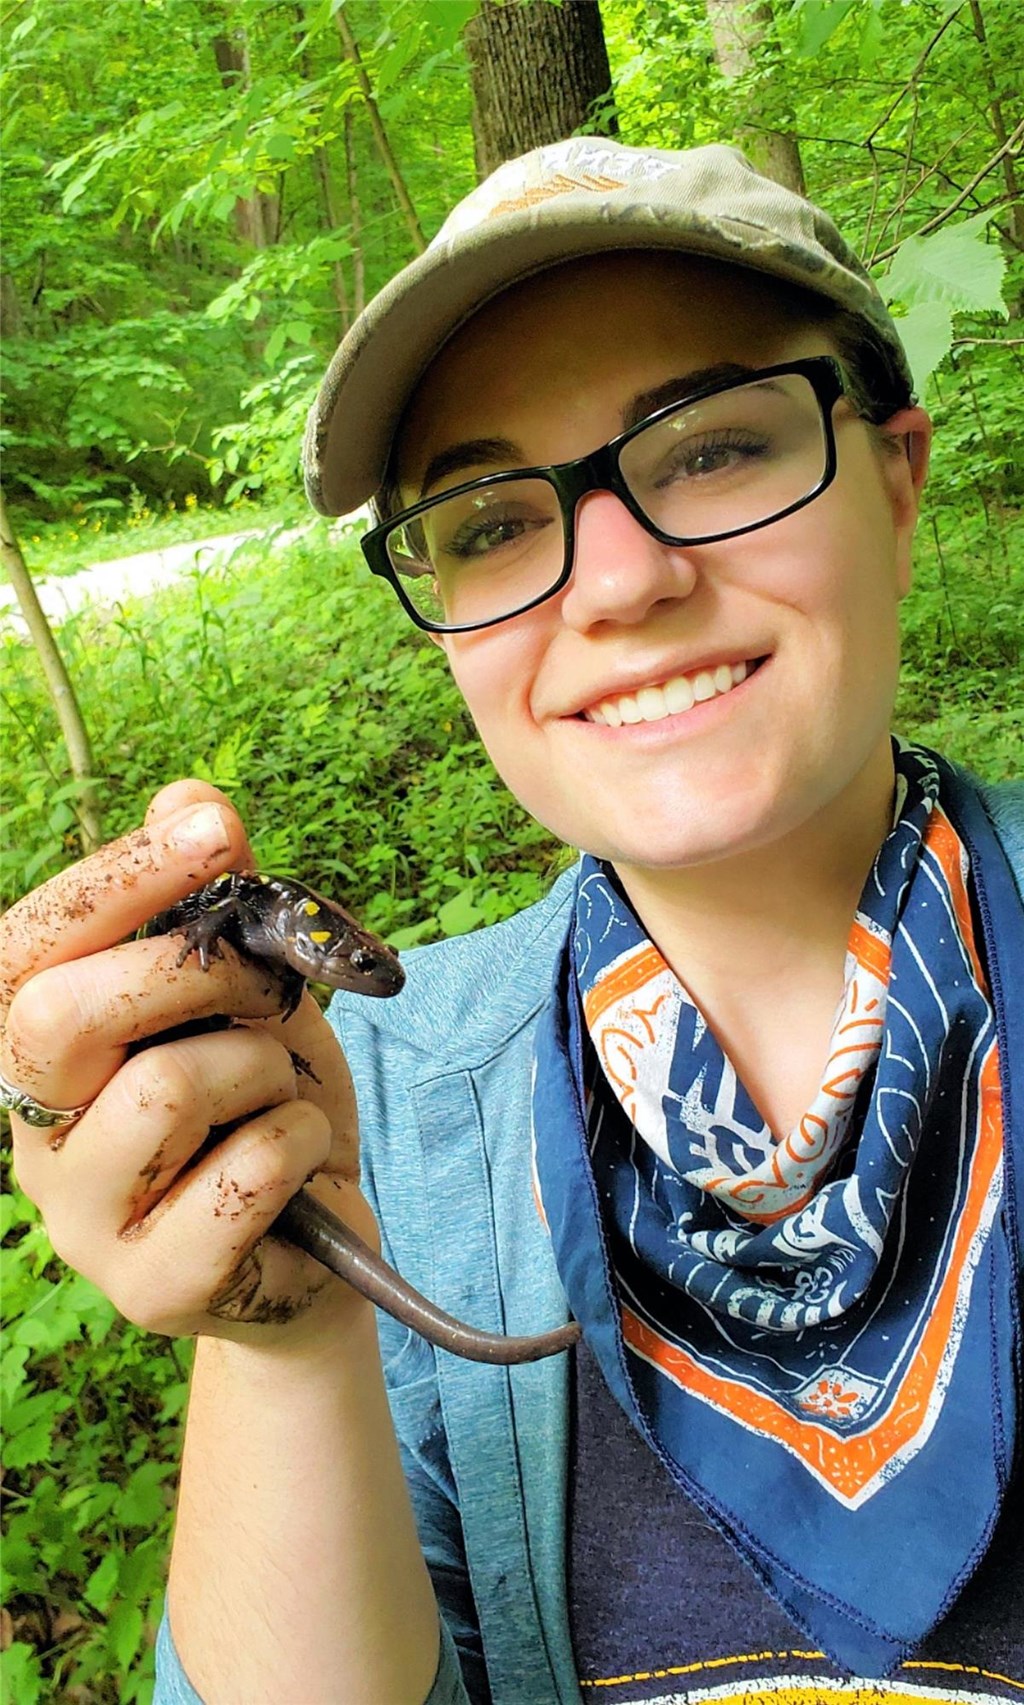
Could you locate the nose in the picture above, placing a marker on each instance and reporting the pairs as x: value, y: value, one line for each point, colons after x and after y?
x: 620, y: 571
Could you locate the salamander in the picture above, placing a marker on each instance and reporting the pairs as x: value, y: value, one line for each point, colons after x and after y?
x: 304, y: 936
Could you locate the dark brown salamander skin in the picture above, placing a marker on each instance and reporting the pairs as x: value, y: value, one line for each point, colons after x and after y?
x: 301, y: 935
x: 322, y: 1235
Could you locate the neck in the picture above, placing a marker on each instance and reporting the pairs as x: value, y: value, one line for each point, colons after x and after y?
x: 744, y: 923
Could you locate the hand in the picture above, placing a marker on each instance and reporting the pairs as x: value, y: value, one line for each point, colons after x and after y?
x: 173, y: 1234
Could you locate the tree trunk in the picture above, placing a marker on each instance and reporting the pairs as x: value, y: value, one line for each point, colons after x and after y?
x: 742, y: 29
x: 256, y: 216
x: 58, y: 683
x: 324, y: 179
x: 11, y: 319
x: 328, y: 201
x: 380, y: 135
x: 355, y: 215
x: 539, y: 72
x: 998, y: 121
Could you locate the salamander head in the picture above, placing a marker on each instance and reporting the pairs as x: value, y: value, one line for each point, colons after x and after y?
x: 350, y: 958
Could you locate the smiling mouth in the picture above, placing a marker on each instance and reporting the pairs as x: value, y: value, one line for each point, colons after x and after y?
x: 672, y: 697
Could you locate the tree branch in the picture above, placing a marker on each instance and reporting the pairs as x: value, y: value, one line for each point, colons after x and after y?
x: 380, y: 135
x: 915, y: 74
x: 925, y: 173
x: 58, y: 685
x: 1010, y: 146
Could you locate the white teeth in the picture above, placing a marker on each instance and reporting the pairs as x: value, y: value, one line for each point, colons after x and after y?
x: 651, y: 702
x: 678, y: 695
x: 681, y: 693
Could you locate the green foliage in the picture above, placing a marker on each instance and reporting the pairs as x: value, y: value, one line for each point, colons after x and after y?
x: 348, y: 749
x: 91, y: 1411
x: 172, y: 233
x: 934, y: 276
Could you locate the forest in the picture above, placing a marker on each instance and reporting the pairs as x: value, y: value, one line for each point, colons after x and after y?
x: 199, y: 198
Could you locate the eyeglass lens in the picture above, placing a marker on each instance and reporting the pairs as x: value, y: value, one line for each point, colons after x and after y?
x: 731, y: 461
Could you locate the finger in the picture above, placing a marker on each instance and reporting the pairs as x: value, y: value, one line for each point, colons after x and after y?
x: 146, y: 1127
x: 323, y: 1078
x: 69, y: 1028
x: 195, y: 1246
x: 177, y: 794
x: 110, y: 894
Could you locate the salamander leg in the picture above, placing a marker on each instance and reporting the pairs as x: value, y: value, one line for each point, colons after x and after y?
x: 203, y: 934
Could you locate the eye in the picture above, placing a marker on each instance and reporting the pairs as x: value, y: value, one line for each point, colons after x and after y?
x: 486, y: 534
x: 712, y: 453
x: 362, y: 959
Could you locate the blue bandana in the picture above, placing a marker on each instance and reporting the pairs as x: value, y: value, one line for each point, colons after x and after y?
x: 815, y: 1330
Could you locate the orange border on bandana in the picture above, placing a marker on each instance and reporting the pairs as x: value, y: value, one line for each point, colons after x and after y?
x: 849, y: 1463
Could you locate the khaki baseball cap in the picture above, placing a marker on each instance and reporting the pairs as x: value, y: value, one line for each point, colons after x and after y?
x: 579, y: 197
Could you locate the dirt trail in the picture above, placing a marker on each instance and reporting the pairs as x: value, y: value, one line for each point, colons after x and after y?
x: 108, y: 582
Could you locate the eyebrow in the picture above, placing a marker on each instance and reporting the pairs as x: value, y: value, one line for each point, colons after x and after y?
x: 684, y: 385
x: 475, y: 452
x: 470, y: 454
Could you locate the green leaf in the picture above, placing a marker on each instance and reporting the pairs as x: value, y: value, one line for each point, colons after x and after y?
x: 27, y: 25
x: 29, y: 1427
x: 102, y: 1583
x: 280, y: 145
x: 459, y: 916
x: 274, y: 345
x: 926, y: 330
x: 954, y: 265
x: 872, y: 36
x: 23, y: 1677
x: 124, y: 1630
x: 450, y: 17
x: 412, y: 935
x: 821, y: 19
x: 11, y: 1214
x: 142, y: 1504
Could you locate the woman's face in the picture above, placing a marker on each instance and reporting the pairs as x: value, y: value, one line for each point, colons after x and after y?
x: 806, y: 608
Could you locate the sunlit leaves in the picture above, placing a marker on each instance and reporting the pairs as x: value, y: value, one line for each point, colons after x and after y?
x: 819, y: 21
x: 933, y: 276
x: 953, y: 265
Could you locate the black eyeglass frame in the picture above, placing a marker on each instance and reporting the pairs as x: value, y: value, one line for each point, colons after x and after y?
x: 600, y: 471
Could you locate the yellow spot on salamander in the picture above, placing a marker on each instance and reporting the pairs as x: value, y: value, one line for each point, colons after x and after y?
x: 319, y: 935
x: 310, y: 908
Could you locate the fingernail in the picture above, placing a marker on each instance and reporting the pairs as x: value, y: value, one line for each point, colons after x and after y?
x: 202, y: 833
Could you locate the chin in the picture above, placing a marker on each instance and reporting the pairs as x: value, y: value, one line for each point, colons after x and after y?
x: 648, y: 844
x: 704, y: 825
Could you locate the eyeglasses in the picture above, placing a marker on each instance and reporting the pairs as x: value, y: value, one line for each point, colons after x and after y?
x: 720, y: 462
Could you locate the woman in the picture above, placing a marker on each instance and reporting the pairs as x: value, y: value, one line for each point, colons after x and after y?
x: 648, y: 468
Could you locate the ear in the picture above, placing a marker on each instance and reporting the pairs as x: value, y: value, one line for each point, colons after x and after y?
x: 905, y: 469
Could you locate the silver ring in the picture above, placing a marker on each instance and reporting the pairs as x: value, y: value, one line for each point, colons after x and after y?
x: 33, y: 1112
